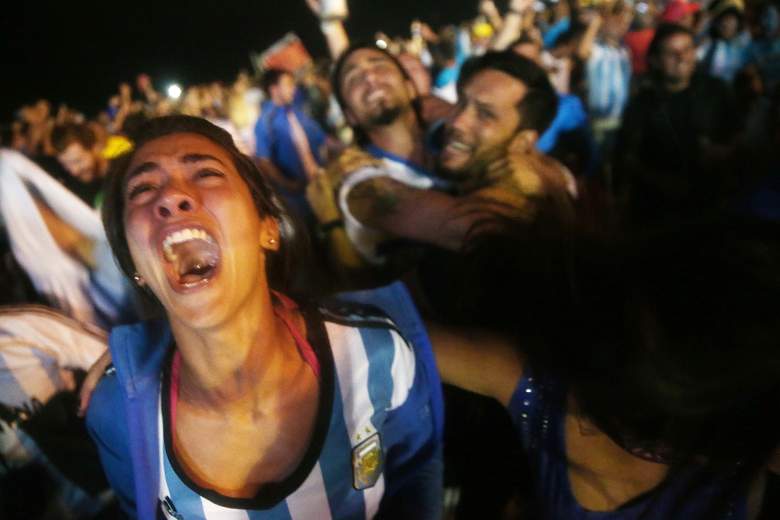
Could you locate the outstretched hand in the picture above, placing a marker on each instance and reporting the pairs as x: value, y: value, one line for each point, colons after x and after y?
x: 315, y: 6
x: 333, y: 8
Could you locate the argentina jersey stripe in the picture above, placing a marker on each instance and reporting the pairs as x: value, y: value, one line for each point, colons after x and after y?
x: 311, y: 499
x: 179, y: 502
x: 351, y: 362
x: 378, y: 345
x: 344, y: 500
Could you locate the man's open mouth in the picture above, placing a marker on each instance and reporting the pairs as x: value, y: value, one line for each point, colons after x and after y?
x: 454, y: 148
x: 193, y: 255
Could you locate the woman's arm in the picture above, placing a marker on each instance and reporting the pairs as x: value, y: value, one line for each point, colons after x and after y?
x: 478, y: 361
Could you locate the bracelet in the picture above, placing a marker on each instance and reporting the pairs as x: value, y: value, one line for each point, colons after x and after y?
x: 515, y: 11
x: 331, y: 225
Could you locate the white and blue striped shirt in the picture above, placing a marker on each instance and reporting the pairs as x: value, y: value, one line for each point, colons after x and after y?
x: 370, y: 390
x: 609, y: 76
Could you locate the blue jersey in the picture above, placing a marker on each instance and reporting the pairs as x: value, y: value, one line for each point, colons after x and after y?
x: 373, y: 448
x: 274, y: 139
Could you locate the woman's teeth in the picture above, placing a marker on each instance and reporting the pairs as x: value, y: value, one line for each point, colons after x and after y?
x: 180, y: 236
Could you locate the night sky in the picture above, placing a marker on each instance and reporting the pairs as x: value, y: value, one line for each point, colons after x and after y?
x: 77, y: 52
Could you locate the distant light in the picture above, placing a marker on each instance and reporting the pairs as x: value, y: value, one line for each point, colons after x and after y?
x: 641, y: 7
x: 174, y: 91
x: 381, y: 44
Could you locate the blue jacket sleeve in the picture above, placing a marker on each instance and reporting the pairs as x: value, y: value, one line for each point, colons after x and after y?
x: 413, y: 457
x: 107, y: 425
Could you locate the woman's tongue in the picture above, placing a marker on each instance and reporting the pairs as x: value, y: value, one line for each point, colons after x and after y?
x: 195, y: 260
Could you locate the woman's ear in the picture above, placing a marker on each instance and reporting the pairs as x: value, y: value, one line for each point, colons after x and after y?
x: 269, y: 234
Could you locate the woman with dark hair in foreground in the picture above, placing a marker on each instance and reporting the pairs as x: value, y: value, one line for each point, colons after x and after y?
x: 241, y: 402
x: 643, y: 374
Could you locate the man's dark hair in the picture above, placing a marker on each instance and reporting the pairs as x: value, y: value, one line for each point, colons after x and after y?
x: 338, y: 69
x: 63, y: 136
x: 270, y: 78
x: 279, y: 265
x: 662, y: 33
x: 538, y: 107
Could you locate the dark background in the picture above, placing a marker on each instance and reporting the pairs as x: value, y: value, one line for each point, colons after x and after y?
x: 78, y: 52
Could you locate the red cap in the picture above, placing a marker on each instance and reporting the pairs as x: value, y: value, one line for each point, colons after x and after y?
x: 676, y: 10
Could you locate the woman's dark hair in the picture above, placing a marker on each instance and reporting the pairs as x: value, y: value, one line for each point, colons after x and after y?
x: 280, y: 265
x: 669, y: 341
x: 539, y: 105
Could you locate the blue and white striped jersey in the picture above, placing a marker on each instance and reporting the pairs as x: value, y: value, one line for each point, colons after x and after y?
x: 608, y: 72
x: 373, y: 430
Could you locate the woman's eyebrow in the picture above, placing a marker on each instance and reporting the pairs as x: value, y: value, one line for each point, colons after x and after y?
x: 186, y: 159
x: 141, y: 168
x: 198, y: 157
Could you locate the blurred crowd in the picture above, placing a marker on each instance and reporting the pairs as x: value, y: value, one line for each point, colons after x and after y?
x: 394, y: 154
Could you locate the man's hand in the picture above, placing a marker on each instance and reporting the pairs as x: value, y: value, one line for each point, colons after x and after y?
x: 348, y: 162
x: 322, y: 198
x: 333, y: 8
x: 517, y: 179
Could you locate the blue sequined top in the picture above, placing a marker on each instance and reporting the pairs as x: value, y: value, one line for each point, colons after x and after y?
x: 538, y: 409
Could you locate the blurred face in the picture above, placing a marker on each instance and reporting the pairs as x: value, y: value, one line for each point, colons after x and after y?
x: 677, y: 60
x: 193, y: 231
x: 374, y: 89
x: 728, y: 26
x: 616, y: 25
x: 483, y: 123
x: 283, y: 93
x: 79, y: 162
x: 143, y: 82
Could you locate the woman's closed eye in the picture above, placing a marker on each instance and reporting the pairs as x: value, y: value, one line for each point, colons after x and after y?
x: 139, y: 189
x: 206, y: 173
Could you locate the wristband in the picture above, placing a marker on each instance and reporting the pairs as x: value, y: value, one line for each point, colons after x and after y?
x: 515, y: 11
x: 333, y: 18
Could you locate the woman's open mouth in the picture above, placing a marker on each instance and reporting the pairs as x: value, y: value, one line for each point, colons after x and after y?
x: 192, y: 255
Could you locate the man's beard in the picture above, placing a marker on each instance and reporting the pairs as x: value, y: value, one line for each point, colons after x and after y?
x: 386, y: 116
x: 474, y: 173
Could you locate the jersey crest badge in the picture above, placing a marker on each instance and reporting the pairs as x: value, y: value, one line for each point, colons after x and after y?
x: 367, y: 462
